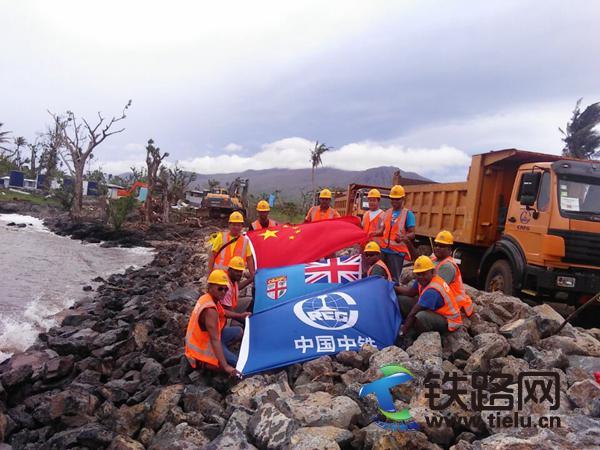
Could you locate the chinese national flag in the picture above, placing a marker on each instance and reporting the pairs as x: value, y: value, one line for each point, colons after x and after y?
x: 298, y: 244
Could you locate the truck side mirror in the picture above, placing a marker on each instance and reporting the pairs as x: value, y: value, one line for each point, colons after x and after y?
x: 530, y: 183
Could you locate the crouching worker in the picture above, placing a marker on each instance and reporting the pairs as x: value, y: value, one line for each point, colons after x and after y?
x: 235, y: 272
x: 375, y: 265
x: 207, y: 337
x: 435, y: 309
x: 449, y: 270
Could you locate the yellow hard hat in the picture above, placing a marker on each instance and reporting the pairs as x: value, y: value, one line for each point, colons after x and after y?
x: 397, y: 192
x: 218, y: 276
x: 423, y: 264
x: 237, y: 263
x: 374, y: 193
x: 263, y: 205
x: 444, y: 237
x: 372, y: 247
x: 325, y: 193
x: 236, y: 217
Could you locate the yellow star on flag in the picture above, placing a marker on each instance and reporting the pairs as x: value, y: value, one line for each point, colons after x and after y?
x: 292, y: 237
x: 269, y: 233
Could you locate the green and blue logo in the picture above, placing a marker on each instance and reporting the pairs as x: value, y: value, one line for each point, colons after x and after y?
x: 393, y: 375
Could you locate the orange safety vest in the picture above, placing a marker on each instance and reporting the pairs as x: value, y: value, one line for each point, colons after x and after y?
x: 234, y: 292
x: 239, y: 249
x: 315, y: 214
x: 197, y: 342
x: 450, y: 310
x: 458, y: 288
x: 381, y: 264
x: 393, y: 228
x: 371, y: 225
x: 257, y: 226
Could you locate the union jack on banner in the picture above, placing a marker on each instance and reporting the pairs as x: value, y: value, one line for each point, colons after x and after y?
x: 335, y: 270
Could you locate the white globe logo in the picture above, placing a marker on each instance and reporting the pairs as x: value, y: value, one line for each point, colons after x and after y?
x: 328, y: 311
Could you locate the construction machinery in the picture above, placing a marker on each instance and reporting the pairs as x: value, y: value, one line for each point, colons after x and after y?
x: 523, y: 222
x: 220, y: 202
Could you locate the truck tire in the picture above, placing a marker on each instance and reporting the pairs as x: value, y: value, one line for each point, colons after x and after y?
x: 500, y: 278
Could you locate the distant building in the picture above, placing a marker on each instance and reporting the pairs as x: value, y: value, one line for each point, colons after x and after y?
x: 194, y: 197
x: 29, y: 184
x: 113, y: 190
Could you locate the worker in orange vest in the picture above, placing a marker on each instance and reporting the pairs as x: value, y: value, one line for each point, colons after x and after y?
x: 263, y: 221
x: 375, y: 266
x: 323, y: 210
x: 207, y: 337
x: 372, y: 218
x: 396, y: 232
x: 228, y: 244
x: 448, y: 269
x: 435, y: 309
x: 235, y: 272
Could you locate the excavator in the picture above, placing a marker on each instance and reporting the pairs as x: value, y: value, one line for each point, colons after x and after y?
x: 220, y: 202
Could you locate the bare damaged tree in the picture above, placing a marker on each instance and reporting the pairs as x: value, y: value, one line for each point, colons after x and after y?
x: 581, y: 136
x: 81, y: 139
x: 316, y: 161
x: 51, y: 143
x: 153, y: 160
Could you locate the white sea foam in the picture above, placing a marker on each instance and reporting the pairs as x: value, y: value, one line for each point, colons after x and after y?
x: 35, y: 223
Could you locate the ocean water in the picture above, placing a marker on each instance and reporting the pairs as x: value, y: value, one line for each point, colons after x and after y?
x: 42, y: 273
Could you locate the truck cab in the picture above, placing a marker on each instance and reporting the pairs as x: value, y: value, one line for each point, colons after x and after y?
x: 551, y: 232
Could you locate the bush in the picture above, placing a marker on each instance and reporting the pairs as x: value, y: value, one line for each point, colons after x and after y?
x: 65, y: 194
x: 119, y: 209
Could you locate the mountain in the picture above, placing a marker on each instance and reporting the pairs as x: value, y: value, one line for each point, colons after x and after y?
x: 291, y: 182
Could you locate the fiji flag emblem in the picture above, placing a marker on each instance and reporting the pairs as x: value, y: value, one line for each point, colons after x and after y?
x: 276, y: 287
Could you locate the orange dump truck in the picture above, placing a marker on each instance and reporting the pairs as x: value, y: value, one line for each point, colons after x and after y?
x: 522, y: 222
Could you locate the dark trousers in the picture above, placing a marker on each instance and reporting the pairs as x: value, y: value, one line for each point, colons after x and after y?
x: 426, y: 320
x: 394, y: 262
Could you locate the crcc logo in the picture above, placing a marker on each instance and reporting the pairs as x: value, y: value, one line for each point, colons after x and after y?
x: 328, y: 311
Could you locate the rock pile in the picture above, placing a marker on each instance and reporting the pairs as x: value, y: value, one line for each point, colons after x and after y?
x: 113, y: 376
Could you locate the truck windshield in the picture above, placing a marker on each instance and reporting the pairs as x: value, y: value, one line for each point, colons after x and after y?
x: 579, y: 196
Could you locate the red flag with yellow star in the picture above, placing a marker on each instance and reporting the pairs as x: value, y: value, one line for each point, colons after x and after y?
x: 298, y: 244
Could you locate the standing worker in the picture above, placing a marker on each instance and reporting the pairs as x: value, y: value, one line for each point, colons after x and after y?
x: 263, y: 221
x: 235, y: 272
x: 372, y: 218
x: 228, y: 244
x: 323, y: 210
x: 436, y: 308
x: 449, y: 271
x: 207, y: 336
x: 376, y: 267
x: 397, y: 231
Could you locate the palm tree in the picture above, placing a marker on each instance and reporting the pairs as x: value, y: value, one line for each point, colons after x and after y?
x: 581, y: 137
x: 4, y: 139
x: 315, y: 159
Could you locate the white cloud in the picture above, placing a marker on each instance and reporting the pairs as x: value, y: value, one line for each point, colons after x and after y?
x: 293, y: 153
x: 233, y: 147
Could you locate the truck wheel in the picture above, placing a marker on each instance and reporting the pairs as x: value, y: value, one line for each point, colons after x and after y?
x: 500, y: 278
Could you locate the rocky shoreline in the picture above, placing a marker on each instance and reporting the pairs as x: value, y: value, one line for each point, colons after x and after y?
x: 113, y: 376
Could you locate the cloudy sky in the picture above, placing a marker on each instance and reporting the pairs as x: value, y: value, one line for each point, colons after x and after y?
x: 232, y: 85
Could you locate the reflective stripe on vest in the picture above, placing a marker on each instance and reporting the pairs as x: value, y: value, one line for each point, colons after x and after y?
x: 394, y: 228
x: 371, y: 224
x: 316, y: 214
x: 239, y: 249
x: 197, y: 342
x: 381, y: 264
x: 450, y: 310
x: 458, y: 288
x: 257, y: 226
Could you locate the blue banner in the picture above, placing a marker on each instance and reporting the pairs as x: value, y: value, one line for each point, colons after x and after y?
x: 324, y: 323
x: 279, y: 284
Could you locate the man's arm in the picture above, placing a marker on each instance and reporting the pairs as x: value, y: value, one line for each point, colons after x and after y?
x: 410, y: 319
x: 211, y: 261
x: 211, y: 322
x: 307, y: 218
x: 409, y: 291
x: 250, y: 265
x: 242, y: 284
x: 447, y: 272
x: 240, y: 317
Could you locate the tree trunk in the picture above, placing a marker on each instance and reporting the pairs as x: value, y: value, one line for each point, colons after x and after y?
x: 78, y: 166
x: 314, y: 192
x: 148, y: 205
